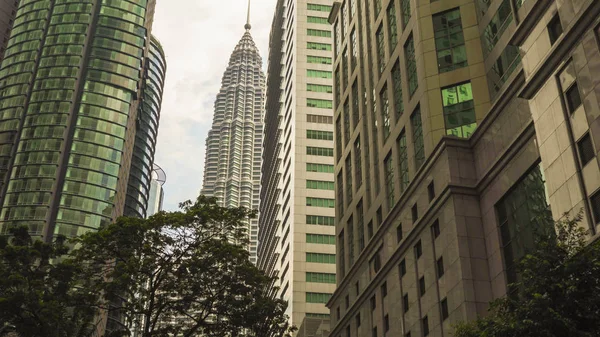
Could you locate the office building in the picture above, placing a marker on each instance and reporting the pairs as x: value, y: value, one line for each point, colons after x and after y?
x: 234, y: 143
x: 71, y: 86
x: 462, y: 128
x: 296, y: 229
x: 8, y: 11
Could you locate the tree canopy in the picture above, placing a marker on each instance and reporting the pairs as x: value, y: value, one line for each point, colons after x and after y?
x: 184, y: 273
x: 558, y: 293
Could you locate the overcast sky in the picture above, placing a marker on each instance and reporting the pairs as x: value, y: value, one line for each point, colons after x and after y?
x: 198, y: 37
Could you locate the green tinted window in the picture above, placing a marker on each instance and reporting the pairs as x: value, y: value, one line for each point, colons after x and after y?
x: 459, y: 110
x: 319, y: 103
x: 318, y: 32
x: 321, y: 135
x: 320, y: 220
x: 320, y: 278
x: 317, y: 19
x: 318, y: 73
x: 319, y: 88
x: 318, y: 46
x: 320, y: 258
x: 318, y: 59
x: 320, y: 239
x: 319, y: 151
x: 449, y: 41
x: 320, y: 8
x: 320, y: 202
x: 319, y: 185
x: 310, y: 167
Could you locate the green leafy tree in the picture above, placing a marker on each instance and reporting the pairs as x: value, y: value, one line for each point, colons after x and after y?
x: 183, y: 273
x: 558, y: 294
x: 40, y: 298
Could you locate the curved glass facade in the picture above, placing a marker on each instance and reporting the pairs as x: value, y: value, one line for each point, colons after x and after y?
x: 70, y: 81
x: 140, y: 176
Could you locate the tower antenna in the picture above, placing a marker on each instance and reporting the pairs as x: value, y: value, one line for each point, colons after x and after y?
x: 247, y: 25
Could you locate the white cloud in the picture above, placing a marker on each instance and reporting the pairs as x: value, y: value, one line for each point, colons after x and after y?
x: 198, y: 37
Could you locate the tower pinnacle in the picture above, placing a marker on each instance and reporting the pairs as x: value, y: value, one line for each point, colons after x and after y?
x: 247, y: 25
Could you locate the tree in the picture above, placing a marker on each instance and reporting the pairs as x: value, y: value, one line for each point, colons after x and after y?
x: 558, y: 294
x: 40, y: 298
x: 183, y: 273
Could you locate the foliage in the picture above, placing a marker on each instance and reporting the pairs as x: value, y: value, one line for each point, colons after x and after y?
x: 558, y: 294
x: 40, y: 295
x: 184, y: 273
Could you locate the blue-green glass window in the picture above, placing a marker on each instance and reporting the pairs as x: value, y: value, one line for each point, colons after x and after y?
x: 317, y: 298
x: 380, y: 40
x: 317, y: 19
x: 497, y: 26
x: 385, y: 111
x: 349, y: 184
x: 504, y: 66
x: 319, y: 103
x: 350, y: 231
x: 417, y: 133
x: 320, y: 258
x: 522, y: 214
x: 388, y: 166
x: 320, y: 202
x: 392, y: 26
x: 320, y: 220
x: 320, y: 239
x: 459, y: 110
x: 397, y: 87
x: 449, y: 41
x: 411, y: 65
x: 405, y: 9
x: 318, y: 46
x: 318, y: 32
x: 358, y: 162
x: 320, y: 185
x: 402, y: 161
x: 320, y: 277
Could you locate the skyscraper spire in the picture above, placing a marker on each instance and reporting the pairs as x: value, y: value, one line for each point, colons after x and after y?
x: 247, y: 25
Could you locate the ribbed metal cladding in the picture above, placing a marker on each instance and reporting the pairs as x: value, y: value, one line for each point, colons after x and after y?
x: 140, y: 176
x: 234, y: 143
x: 70, y: 86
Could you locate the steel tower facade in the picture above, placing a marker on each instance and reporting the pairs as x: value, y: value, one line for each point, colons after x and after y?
x: 234, y: 143
x: 71, y: 86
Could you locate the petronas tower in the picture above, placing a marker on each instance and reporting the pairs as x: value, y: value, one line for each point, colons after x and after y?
x: 234, y: 143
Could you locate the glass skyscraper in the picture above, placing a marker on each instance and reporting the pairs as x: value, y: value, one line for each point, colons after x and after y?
x: 234, y: 143
x: 74, y: 109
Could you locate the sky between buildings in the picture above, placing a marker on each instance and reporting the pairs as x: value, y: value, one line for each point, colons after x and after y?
x: 198, y: 37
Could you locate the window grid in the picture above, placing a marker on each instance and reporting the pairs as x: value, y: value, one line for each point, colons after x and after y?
x: 320, y: 135
x: 346, y: 112
x: 321, y: 239
x: 397, y: 86
x: 449, y: 41
x: 380, y: 40
x: 319, y: 88
x: 320, y: 185
x: 318, y: 46
x: 320, y: 277
x: 318, y: 32
x: 317, y: 19
x: 392, y: 26
x: 360, y: 226
x: 320, y: 202
x: 389, y: 181
x: 317, y: 297
x: 350, y: 231
x: 319, y: 151
x: 405, y: 9
x: 320, y: 258
x: 411, y: 65
x: 403, y: 162
x: 318, y: 73
x: 324, y: 168
x: 357, y: 163
x: 320, y: 220
x: 459, y: 110
x: 385, y: 112
x: 419, y: 146
x: 349, y: 184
